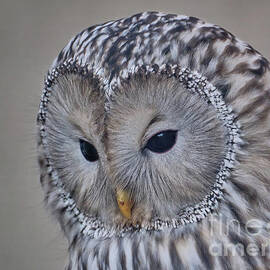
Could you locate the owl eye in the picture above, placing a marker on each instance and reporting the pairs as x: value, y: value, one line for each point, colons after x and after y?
x: 89, y: 151
x: 162, y: 141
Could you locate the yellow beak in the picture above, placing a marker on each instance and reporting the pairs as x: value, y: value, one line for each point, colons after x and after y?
x: 124, y: 203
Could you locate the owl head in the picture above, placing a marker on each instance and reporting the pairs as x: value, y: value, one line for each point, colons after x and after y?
x: 137, y: 123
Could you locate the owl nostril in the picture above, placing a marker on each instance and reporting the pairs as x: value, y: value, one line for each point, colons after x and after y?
x: 121, y: 203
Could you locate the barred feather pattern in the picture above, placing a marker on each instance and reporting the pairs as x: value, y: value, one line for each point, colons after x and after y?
x: 242, y: 75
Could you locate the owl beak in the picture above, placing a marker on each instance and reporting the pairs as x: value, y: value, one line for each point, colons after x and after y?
x: 124, y: 203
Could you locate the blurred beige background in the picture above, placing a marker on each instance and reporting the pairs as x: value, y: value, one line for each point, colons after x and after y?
x: 32, y: 32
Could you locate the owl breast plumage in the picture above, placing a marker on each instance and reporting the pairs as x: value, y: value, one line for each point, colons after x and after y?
x: 153, y: 145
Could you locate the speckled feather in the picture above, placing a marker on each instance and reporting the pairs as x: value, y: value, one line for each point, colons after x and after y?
x: 156, y: 41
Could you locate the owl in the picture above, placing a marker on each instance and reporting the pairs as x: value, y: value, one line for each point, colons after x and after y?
x: 153, y: 145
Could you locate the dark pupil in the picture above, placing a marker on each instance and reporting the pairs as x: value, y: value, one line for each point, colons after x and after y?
x: 162, y: 142
x: 89, y: 151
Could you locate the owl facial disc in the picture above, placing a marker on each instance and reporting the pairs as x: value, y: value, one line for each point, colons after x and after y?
x: 191, y: 81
